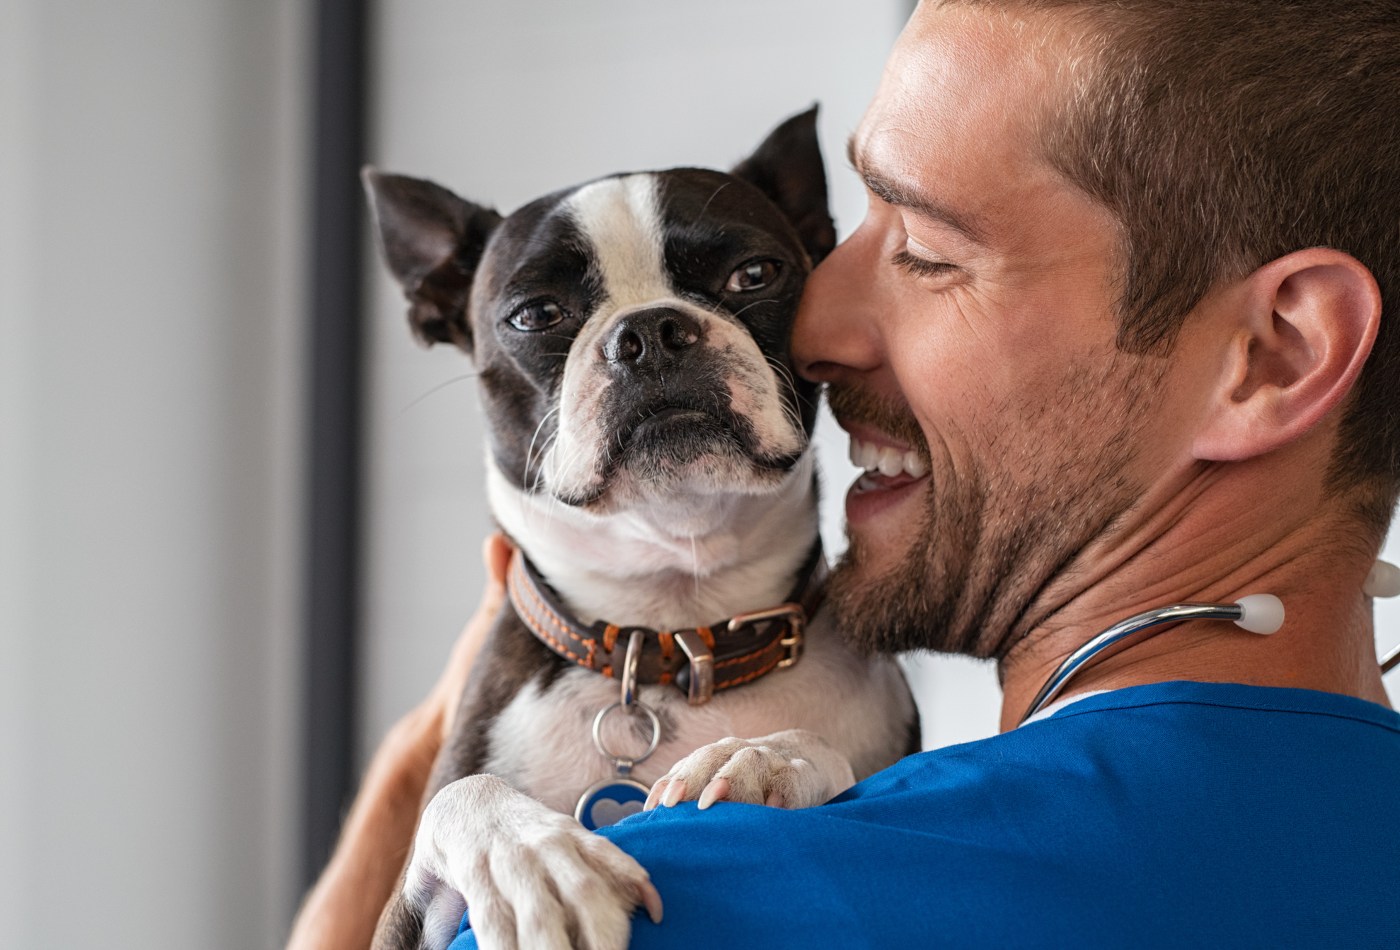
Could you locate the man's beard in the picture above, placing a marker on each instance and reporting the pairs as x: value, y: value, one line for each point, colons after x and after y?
x: 988, y: 543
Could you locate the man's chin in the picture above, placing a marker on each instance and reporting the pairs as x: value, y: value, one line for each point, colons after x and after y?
x: 881, y: 603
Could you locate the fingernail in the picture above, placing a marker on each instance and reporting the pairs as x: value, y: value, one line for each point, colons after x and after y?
x: 713, y: 792
x: 674, y: 793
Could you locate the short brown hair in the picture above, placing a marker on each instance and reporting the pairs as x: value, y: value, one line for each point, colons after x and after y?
x: 1226, y: 133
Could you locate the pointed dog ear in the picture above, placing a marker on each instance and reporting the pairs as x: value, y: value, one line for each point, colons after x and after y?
x: 787, y: 167
x: 432, y: 241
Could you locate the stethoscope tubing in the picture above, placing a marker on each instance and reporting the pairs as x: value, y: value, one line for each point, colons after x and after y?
x: 1116, y: 635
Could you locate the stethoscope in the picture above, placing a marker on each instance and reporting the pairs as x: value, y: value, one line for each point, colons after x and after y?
x: 1257, y: 613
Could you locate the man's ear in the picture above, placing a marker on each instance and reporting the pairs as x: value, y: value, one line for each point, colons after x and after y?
x: 432, y: 241
x: 1306, y: 328
x: 787, y: 167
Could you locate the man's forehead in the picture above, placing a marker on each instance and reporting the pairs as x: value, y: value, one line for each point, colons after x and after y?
x: 959, y: 68
x: 962, y: 101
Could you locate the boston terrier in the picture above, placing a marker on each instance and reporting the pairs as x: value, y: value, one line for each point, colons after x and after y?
x: 649, y: 458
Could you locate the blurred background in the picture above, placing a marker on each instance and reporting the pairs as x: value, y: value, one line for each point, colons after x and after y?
x: 240, y: 510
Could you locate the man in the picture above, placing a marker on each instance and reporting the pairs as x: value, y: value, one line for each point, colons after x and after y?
x: 1128, y: 282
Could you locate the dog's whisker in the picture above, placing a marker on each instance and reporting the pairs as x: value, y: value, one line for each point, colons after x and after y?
x: 745, y: 309
x: 439, y: 387
x: 529, y: 452
x: 709, y: 201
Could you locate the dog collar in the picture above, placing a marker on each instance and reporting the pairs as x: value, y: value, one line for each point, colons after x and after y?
x: 698, y: 660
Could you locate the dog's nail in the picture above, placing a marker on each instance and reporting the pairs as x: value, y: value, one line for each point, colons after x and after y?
x: 674, y: 793
x: 654, y: 796
x: 774, y: 799
x: 651, y: 900
x: 713, y: 792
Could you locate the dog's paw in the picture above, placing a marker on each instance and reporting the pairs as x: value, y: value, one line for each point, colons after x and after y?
x: 790, y: 769
x: 530, y: 877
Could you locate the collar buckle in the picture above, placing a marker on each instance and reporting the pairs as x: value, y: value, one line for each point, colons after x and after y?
x: 794, y: 615
x: 702, y: 666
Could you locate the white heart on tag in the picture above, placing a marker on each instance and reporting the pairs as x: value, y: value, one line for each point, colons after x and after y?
x: 609, y: 811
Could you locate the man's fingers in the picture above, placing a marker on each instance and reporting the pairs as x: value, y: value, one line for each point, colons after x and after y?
x: 495, y: 554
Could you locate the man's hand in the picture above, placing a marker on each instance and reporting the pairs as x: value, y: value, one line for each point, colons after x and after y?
x: 496, y: 552
x: 343, y: 907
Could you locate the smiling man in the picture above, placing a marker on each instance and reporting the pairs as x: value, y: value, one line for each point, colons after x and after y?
x: 1121, y: 399
x: 1119, y: 332
x: 1119, y: 324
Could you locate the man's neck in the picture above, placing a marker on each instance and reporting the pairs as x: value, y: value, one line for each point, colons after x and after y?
x: 1201, y: 545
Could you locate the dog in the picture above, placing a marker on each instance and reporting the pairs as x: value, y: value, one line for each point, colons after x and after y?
x: 649, y: 457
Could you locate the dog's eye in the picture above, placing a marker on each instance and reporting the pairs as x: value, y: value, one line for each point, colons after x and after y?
x: 537, y: 315
x: 752, y: 276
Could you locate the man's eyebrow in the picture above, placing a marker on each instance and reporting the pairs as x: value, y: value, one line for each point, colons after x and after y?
x: 904, y: 195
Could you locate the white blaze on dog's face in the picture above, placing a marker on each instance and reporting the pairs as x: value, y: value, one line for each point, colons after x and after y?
x: 665, y: 388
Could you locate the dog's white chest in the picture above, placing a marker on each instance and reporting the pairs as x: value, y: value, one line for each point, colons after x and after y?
x: 542, y: 742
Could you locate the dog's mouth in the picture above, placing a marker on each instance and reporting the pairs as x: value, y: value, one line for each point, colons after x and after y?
x: 663, y: 440
x: 680, y: 431
x: 667, y: 424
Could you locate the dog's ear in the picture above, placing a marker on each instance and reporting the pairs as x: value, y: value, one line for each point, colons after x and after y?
x: 787, y: 167
x: 432, y: 241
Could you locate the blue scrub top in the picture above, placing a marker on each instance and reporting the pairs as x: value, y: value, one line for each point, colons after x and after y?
x: 1169, y: 815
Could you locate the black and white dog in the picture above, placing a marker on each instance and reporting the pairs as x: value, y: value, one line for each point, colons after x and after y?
x: 649, y: 457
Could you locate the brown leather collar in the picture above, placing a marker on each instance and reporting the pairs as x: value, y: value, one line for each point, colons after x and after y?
x: 698, y: 660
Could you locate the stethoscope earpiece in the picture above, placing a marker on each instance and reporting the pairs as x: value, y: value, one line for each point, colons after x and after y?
x: 1383, y: 581
x: 1257, y: 613
x: 1260, y: 613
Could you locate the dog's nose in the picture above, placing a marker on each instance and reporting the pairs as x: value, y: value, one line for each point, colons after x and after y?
x: 651, y: 339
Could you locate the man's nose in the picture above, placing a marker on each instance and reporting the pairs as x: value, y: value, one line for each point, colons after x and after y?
x: 833, y: 333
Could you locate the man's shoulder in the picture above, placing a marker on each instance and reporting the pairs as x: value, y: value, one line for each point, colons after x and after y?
x: 973, y: 844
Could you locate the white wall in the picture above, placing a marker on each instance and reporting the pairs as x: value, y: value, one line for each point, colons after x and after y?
x: 149, y: 415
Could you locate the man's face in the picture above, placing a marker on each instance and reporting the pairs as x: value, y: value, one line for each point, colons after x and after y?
x: 970, y: 321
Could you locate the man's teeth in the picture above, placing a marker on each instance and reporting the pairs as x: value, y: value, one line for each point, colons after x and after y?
x: 887, y: 461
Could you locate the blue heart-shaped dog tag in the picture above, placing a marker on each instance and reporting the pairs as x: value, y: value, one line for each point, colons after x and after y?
x: 610, y: 801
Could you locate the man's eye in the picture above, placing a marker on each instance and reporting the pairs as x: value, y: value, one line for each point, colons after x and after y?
x: 537, y: 315
x: 919, y: 266
x: 752, y: 276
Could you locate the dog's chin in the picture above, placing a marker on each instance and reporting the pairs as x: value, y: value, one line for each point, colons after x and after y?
x: 675, y: 440
x: 681, y: 452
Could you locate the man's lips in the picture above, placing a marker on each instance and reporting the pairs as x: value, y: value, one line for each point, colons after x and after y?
x: 890, y: 472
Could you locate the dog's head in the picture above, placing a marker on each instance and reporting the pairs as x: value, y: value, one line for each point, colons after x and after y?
x: 631, y: 334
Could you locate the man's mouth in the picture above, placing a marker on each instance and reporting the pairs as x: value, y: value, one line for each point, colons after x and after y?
x: 890, y: 472
x: 887, y: 462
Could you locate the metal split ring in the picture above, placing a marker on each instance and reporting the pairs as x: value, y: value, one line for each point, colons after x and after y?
x: 623, y: 763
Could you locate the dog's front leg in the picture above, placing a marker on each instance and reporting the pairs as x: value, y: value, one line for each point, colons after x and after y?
x: 790, y: 769
x: 531, y: 877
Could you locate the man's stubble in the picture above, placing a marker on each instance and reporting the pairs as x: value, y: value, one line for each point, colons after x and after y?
x: 994, y: 536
